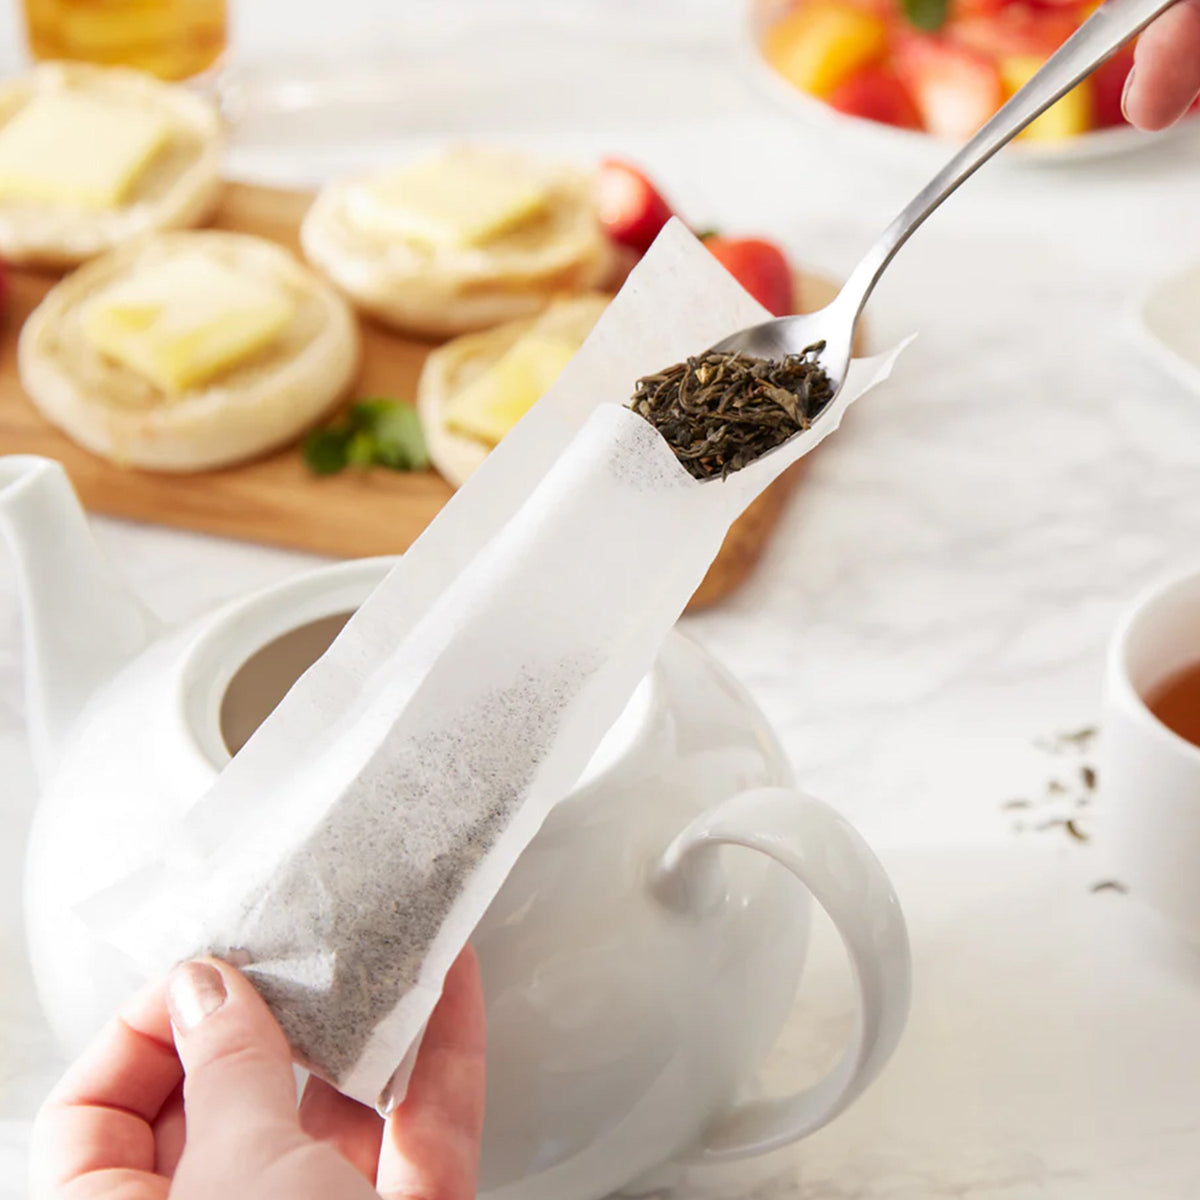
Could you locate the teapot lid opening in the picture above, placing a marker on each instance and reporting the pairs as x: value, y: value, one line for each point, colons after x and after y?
x: 262, y: 680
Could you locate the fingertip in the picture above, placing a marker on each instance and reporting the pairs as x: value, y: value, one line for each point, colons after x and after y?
x: 431, y: 1141
x: 459, y: 1018
x: 1126, y: 91
x: 195, y: 990
x: 352, y: 1129
x: 237, y: 1062
x: 1166, y: 74
x: 207, y: 987
x: 1146, y: 108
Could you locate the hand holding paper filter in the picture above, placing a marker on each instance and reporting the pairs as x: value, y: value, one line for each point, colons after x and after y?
x: 351, y: 847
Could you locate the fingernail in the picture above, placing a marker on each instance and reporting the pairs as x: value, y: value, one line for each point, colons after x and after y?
x: 1125, y: 93
x: 194, y: 991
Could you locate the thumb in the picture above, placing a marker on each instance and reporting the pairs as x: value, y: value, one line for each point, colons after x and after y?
x: 238, y: 1079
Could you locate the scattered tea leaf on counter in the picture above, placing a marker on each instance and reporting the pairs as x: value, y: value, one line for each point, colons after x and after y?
x: 1067, y: 797
x: 1075, y: 741
x: 374, y: 432
x: 926, y: 15
x: 1110, y: 885
x: 1066, y: 800
x: 1072, y: 827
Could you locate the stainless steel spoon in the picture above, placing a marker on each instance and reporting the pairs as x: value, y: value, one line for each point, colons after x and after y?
x: 1104, y: 32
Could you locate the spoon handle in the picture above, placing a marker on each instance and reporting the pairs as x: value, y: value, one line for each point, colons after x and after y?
x: 1104, y: 32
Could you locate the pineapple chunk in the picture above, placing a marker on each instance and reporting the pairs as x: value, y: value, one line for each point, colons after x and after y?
x: 464, y: 198
x: 1069, y: 117
x: 822, y: 43
x: 183, y: 322
x: 67, y: 149
x: 491, y: 405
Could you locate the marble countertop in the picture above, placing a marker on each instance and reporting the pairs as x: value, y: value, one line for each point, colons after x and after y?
x: 931, y: 615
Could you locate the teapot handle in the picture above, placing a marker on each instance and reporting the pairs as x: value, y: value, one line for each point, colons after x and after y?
x: 835, y: 864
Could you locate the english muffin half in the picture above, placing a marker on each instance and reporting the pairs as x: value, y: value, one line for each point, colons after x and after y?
x: 461, y: 241
x: 93, y: 156
x: 187, y: 351
x: 474, y: 389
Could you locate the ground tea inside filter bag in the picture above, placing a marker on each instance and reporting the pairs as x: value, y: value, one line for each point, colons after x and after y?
x: 380, y: 873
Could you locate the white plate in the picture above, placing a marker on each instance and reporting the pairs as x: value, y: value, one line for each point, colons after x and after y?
x: 1166, y: 323
x: 878, y: 138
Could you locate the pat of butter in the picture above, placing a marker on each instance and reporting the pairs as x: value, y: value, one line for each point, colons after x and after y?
x: 183, y: 322
x: 491, y: 405
x: 461, y: 199
x: 71, y: 149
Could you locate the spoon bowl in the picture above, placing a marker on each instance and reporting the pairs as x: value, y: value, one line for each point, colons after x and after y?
x: 790, y: 335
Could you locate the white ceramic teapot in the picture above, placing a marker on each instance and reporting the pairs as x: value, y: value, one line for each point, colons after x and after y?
x: 636, y: 973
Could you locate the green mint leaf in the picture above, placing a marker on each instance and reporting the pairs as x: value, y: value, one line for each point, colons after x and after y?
x: 929, y: 15
x: 361, y: 449
x: 325, y: 451
x: 365, y: 414
x: 376, y: 431
x: 396, y: 428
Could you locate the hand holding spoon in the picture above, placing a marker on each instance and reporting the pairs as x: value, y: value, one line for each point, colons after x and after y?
x: 1102, y: 34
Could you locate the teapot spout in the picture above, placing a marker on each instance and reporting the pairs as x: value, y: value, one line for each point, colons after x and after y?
x: 81, y: 622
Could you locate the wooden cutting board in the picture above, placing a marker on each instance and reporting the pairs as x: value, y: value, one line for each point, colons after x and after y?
x: 276, y: 500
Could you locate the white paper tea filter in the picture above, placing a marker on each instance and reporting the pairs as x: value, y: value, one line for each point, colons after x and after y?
x: 351, y: 847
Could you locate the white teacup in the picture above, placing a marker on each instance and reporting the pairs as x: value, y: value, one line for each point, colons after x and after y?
x: 1149, y: 774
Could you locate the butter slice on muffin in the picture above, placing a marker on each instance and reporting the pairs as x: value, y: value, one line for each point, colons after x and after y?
x: 187, y: 351
x: 461, y: 241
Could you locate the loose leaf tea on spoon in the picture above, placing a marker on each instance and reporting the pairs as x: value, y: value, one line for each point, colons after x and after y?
x: 721, y: 412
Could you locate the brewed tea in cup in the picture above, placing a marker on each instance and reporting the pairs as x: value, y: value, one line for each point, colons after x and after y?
x: 1150, y: 772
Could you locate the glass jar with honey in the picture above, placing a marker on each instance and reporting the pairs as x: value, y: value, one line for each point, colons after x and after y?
x: 173, y: 39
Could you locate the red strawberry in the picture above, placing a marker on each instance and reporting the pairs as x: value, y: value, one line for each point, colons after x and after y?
x: 1108, y: 82
x: 1012, y: 30
x: 955, y: 89
x: 967, y: 9
x: 876, y: 93
x: 760, y: 267
x: 631, y: 210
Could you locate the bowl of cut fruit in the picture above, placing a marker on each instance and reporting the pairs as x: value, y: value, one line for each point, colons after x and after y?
x: 913, y: 73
